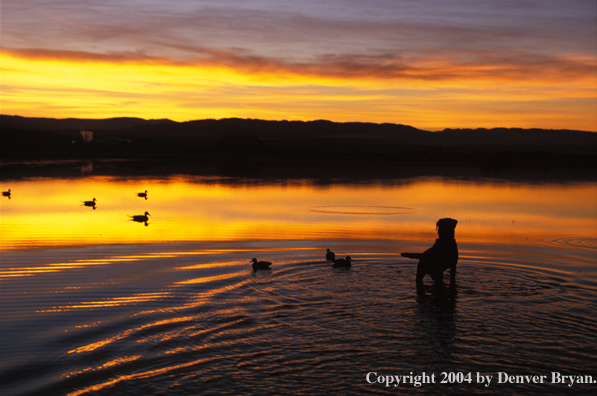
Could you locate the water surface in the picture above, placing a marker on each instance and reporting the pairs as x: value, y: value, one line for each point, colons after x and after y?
x: 94, y: 303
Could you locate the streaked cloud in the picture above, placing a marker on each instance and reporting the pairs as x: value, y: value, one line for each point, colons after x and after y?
x: 353, y: 66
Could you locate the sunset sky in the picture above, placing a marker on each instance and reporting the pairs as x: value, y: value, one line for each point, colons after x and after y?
x: 431, y: 64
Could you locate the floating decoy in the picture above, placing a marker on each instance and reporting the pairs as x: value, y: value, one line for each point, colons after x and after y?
x: 90, y: 203
x: 6, y: 193
x: 330, y: 256
x: 260, y: 265
x: 143, y: 195
x: 342, y: 263
x: 140, y: 218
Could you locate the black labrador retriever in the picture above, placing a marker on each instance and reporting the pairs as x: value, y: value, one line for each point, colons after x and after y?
x: 441, y: 256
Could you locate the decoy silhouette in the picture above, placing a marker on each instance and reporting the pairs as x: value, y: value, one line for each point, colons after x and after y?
x: 342, y: 263
x: 330, y: 256
x: 143, y: 195
x: 260, y: 265
x: 140, y: 218
x: 441, y: 256
x: 90, y: 203
x: 6, y: 193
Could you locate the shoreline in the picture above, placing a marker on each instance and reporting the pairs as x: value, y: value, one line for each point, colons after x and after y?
x: 317, y: 171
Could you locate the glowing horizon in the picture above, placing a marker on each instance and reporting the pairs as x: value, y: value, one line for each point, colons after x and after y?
x: 457, y: 66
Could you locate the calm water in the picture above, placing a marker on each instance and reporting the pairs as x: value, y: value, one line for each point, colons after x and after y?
x: 93, y: 303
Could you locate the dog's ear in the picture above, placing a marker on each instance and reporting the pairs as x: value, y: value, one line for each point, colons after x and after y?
x: 446, y: 222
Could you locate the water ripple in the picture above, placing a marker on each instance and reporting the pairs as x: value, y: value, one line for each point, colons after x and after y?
x: 573, y: 242
x: 303, y: 325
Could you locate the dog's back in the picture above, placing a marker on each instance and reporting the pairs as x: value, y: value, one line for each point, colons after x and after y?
x: 438, y: 258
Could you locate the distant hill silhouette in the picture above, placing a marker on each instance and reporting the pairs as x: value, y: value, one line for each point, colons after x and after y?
x: 52, y: 124
x: 250, y: 139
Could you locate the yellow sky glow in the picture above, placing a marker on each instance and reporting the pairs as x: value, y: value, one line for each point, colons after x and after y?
x: 59, y: 88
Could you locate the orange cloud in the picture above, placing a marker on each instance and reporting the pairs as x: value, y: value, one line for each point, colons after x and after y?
x: 433, y: 94
x: 513, y: 67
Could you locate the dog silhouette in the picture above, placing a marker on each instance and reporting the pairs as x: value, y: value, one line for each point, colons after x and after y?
x: 441, y: 256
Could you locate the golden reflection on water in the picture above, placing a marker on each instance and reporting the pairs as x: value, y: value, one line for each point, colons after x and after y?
x: 8, y: 272
x: 111, y: 302
x: 50, y: 213
x: 137, y: 376
x: 207, y: 279
x: 112, y: 363
x: 128, y: 332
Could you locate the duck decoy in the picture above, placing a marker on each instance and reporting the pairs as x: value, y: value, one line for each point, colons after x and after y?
x: 260, y: 265
x: 342, y: 263
x: 143, y: 195
x: 330, y: 256
x: 141, y: 218
x: 90, y: 203
x: 6, y: 193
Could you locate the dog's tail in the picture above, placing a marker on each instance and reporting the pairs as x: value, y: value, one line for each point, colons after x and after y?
x: 412, y: 255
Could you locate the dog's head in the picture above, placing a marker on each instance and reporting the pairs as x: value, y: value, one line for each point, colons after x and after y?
x: 445, y: 227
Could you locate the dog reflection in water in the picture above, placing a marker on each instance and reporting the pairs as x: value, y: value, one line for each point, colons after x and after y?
x: 260, y: 265
x: 441, y: 256
x: 141, y: 218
